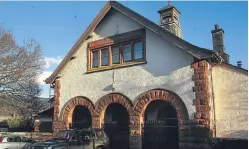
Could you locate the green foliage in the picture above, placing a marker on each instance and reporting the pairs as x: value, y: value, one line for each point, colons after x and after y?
x: 15, y: 122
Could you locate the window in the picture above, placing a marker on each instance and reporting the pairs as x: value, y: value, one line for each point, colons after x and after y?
x: 115, y: 55
x: 95, y: 59
x: 117, y: 51
x: 104, y: 57
x: 127, y: 52
x: 138, y: 50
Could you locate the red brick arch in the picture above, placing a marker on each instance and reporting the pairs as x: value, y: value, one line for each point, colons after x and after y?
x: 159, y: 94
x: 68, y: 108
x: 108, y: 99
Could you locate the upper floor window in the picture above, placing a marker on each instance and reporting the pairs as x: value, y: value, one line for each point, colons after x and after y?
x: 95, y: 59
x: 138, y: 50
x: 117, y: 51
x: 127, y: 52
x: 115, y: 55
x: 104, y: 57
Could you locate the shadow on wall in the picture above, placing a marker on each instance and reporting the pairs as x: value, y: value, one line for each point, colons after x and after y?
x: 165, y: 59
x: 237, y: 134
x: 229, y: 143
x: 220, y: 143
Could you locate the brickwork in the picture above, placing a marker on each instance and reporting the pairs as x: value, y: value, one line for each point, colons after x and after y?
x: 202, y: 94
x: 103, y: 103
x: 71, y: 104
x: 163, y: 95
x: 36, y: 136
x: 56, y: 124
x: 187, y: 128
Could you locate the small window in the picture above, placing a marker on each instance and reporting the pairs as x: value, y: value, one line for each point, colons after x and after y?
x: 104, y: 57
x: 115, y: 55
x: 138, y: 50
x: 95, y: 59
x: 127, y: 52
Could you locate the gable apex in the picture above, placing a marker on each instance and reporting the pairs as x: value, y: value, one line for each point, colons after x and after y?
x: 193, y: 50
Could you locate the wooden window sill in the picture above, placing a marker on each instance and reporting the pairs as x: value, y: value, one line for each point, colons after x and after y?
x: 116, y: 66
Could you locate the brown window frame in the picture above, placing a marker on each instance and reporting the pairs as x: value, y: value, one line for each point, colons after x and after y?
x: 117, y: 41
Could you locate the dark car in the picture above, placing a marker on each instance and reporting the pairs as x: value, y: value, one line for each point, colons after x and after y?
x: 76, y: 139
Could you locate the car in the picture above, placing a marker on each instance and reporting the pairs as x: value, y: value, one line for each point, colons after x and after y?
x: 15, y: 142
x: 88, y: 138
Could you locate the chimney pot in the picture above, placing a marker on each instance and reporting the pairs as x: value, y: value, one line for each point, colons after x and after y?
x: 216, y: 26
x: 239, y: 63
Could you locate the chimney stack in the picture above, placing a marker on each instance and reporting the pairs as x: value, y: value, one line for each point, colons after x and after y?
x: 218, y: 42
x: 169, y: 19
x: 239, y: 63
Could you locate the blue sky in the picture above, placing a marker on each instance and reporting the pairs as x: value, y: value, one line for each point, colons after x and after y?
x: 57, y: 25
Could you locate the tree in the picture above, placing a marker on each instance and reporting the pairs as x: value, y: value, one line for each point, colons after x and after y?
x: 19, y: 69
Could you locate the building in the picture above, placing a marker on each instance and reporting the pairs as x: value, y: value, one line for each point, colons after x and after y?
x: 44, y: 119
x: 146, y: 85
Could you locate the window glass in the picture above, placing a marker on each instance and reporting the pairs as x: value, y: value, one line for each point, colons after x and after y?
x: 104, y: 57
x: 115, y: 55
x: 138, y: 50
x: 95, y: 59
x: 127, y: 52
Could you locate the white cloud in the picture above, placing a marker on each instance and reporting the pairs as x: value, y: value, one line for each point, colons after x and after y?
x: 49, y: 61
x: 43, y: 76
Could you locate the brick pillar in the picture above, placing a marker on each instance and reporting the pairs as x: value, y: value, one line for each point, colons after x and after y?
x: 57, y: 125
x: 196, y: 133
x: 135, y: 131
x: 202, y: 93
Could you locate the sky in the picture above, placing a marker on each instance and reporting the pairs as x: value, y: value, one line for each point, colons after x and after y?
x: 58, y: 25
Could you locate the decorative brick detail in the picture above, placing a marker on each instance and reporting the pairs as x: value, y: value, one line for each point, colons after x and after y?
x: 170, y: 97
x: 202, y: 94
x: 106, y: 100
x: 56, y: 105
x: 71, y: 104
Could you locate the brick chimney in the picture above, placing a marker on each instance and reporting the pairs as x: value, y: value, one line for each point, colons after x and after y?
x: 218, y: 42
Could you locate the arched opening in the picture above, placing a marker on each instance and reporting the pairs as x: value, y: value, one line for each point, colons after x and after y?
x: 160, y: 128
x: 81, y: 117
x: 116, y: 120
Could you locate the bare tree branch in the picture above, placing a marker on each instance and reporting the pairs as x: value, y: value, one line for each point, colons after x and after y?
x: 19, y: 69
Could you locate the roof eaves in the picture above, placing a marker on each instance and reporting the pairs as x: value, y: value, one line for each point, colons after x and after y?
x: 82, y: 38
x: 245, y: 71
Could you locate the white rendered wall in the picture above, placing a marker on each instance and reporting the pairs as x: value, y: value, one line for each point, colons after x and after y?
x: 167, y: 67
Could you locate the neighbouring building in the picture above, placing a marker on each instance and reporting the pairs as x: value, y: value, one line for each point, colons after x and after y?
x: 147, y: 86
x: 44, y: 119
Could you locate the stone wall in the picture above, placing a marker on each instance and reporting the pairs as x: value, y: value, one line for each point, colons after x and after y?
x: 36, y: 136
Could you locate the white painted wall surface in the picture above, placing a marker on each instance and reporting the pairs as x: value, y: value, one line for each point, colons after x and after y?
x: 168, y: 68
x: 231, y: 102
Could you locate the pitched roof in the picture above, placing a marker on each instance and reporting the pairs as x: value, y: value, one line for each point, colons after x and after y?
x: 235, y: 68
x: 197, y: 52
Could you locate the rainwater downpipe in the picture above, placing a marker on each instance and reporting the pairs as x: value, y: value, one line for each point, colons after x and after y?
x: 213, y: 97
